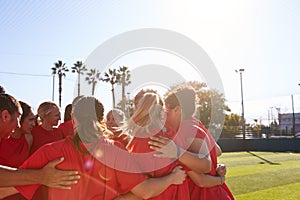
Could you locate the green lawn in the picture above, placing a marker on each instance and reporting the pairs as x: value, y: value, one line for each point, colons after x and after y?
x: 263, y: 175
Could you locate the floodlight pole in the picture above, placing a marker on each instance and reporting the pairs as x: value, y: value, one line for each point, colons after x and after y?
x: 243, y: 113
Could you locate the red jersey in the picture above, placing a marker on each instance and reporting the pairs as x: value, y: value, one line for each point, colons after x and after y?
x: 158, y: 167
x: 122, y: 138
x: 98, y: 181
x: 193, y: 128
x: 67, y: 128
x: 13, y: 152
x: 42, y: 136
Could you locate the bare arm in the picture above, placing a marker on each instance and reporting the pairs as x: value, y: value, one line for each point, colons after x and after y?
x: 7, y: 191
x: 205, y: 180
x: 154, y: 186
x: 128, y: 196
x: 218, y: 150
x: 197, y: 159
x: 48, y: 175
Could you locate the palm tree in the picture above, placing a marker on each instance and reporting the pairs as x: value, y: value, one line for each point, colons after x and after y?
x: 59, y: 69
x: 124, y: 73
x: 92, y: 78
x: 112, y: 77
x: 78, y: 68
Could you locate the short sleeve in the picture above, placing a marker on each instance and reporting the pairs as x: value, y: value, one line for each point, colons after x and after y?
x: 36, y: 161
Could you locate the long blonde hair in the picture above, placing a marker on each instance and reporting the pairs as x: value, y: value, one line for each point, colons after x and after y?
x: 147, y: 115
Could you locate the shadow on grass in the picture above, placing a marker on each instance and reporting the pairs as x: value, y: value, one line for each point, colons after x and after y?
x: 265, y: 160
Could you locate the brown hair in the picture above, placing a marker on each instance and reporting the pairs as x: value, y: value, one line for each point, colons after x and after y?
x: 9, y: 103
x: 2, y: 90
x: 67, y: 114
x: 88, y: 113
x: 183, y: 96
x: 140, y: 94
x: 26, y: 110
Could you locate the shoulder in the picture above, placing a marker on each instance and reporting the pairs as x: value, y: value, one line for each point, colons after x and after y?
x: 36, y: 129
x: 66, y: 124
x: 56, y: 146
x: 44, y: 154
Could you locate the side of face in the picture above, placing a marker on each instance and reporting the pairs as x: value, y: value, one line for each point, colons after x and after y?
x: 173, y: 117
x: 28, y: 123
x: 9, y: 122
x: 110, y: 120
x: 53, y: 117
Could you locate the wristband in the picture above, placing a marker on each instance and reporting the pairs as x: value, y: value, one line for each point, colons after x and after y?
x: 221, y: 178
x: 178, y: 152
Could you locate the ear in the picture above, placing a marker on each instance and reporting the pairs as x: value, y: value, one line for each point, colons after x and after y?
x: 177, y: 109
x: 73, y: 120
x: 5, y: 116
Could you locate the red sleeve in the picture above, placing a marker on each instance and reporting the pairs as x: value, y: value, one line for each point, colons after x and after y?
x: 122, y: 165
x: 139, y: 145
x: 38, y: 160
x: 143, y: 156
x: 127, y: 181
x: 66, y: 128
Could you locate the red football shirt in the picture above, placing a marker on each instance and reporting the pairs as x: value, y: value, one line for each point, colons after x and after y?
x: 98, y: 181
x: 193, y: 128
x: 158, y: 167
x: 13, y: 152
x: 67, y: 128
x: 42, y: 136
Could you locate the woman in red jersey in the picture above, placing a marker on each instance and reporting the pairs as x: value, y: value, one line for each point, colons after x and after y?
x: 115, y: 119
x: 45, y: 132
x: 15, y: 150
x: 147, y: 121
x: 181, y: 108
x: 67, y: 126
x: 10, y: 112
x: 96, y: 158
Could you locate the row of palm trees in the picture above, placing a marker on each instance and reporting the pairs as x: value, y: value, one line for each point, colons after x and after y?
x: 113, y: 76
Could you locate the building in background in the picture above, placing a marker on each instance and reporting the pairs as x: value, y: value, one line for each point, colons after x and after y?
x: 286, y: 123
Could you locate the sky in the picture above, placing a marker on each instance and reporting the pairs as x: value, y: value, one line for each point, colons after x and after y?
x: 260, y: 36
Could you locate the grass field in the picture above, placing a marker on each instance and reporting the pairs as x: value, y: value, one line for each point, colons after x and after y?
x: 263, y: 175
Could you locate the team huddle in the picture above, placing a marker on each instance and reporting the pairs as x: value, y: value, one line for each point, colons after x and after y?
x: 161, y: 152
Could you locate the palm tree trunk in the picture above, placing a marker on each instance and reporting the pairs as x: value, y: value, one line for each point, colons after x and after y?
x: 123, y: 93
x: 93, y: 88
x: 78, y: 85
x: 59, y: 88
x: 113, y: 95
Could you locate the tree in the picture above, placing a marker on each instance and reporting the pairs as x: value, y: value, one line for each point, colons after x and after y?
x: 92, y: 78
x: 78, y: 68
x: 231, y: 125
x: 60, y: 69
x: 112, y: 77
x: 210, y: 103
x: 124, y: 74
